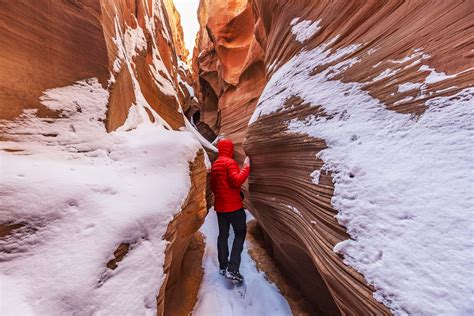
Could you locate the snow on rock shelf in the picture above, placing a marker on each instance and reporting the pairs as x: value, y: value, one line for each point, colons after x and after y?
x: 78, y: 193
x: 219, y: 296
x: 364, y: 126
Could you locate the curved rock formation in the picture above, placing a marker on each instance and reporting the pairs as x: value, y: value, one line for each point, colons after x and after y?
x: 36, y: 54
x: 401, y: 56
x: 229, y: 61
x: 182, y: 266
x: 124, y: 57
x: 134, y: 48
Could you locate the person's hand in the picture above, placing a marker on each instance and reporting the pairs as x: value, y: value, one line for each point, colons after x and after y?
x: 247, y: 162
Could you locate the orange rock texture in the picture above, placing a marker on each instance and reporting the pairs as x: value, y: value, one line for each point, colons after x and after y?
x: 135, y: 49
x: 243, y: 42
x: 182, y: 268
x: 230, y: 63
x: 128, y: 45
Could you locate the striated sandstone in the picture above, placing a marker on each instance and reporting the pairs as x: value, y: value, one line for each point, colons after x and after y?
x: 435, y: 34
x: 229, y: 61
x: 49, y: 44
x: 36, y: 54
x: 135, y: 49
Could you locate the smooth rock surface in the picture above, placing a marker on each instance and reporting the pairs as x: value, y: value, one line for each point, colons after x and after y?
x: 402, y: 54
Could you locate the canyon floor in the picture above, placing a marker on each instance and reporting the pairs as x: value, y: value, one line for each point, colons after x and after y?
x: 219, y: 296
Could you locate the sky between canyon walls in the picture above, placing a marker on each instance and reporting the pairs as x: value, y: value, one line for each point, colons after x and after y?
x: 188, y: 11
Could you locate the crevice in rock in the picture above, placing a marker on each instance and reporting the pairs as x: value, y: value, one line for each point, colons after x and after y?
x: 182, y: 275
x: 262, y: 253
x: 181, y: 296
x: 7, y: 229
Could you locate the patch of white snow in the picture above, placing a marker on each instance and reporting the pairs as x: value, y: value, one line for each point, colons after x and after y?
x: 305, y: 29
x: 408, y: 86
x: 80, y: 192
x: 411, y: 179
x: 218, y: 296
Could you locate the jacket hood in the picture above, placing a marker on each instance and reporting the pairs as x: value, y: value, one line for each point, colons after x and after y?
x: 226, y: 148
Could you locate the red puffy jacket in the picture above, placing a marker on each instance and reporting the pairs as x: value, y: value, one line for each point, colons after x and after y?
x: 226, y: 179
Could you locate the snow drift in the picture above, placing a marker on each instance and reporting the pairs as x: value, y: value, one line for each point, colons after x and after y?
x: 78, y: 195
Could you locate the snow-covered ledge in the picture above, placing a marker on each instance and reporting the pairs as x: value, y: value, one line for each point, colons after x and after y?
x: 78, y: 193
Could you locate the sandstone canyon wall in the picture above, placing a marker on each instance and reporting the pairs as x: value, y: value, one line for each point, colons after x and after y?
x: 179, y: 292
x: 332, y: 69
x: 128, y: 45
x: 128, y: 58
x: 230, y: 64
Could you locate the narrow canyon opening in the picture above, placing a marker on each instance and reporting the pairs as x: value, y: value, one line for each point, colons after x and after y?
x: 212, y: 119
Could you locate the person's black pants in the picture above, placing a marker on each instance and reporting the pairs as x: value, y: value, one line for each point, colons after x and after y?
x: 238, y: 221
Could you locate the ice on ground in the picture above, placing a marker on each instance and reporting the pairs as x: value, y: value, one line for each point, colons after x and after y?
x: 217, y: 295
x: 79, y: 193
x: 13, y: 303
x: 305, y: 29
x: 403, y: 184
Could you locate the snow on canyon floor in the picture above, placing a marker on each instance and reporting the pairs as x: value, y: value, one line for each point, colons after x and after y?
x: 219, y: 296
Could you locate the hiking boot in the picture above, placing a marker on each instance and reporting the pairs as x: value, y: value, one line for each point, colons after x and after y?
x: 222, y: 271
x: 234, y: 276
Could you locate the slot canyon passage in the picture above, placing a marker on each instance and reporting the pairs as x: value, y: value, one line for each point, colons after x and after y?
x: 358, y: 118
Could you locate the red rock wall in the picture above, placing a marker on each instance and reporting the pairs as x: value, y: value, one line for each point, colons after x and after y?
x: 229, y: 62
x: 179, y: 290
x: 36, y: 54
x: 135, y: 49
x: 282, y: 162
x: 48, y: 44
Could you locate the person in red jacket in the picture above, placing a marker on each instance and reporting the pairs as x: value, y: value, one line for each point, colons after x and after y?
x: 226, y: 180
